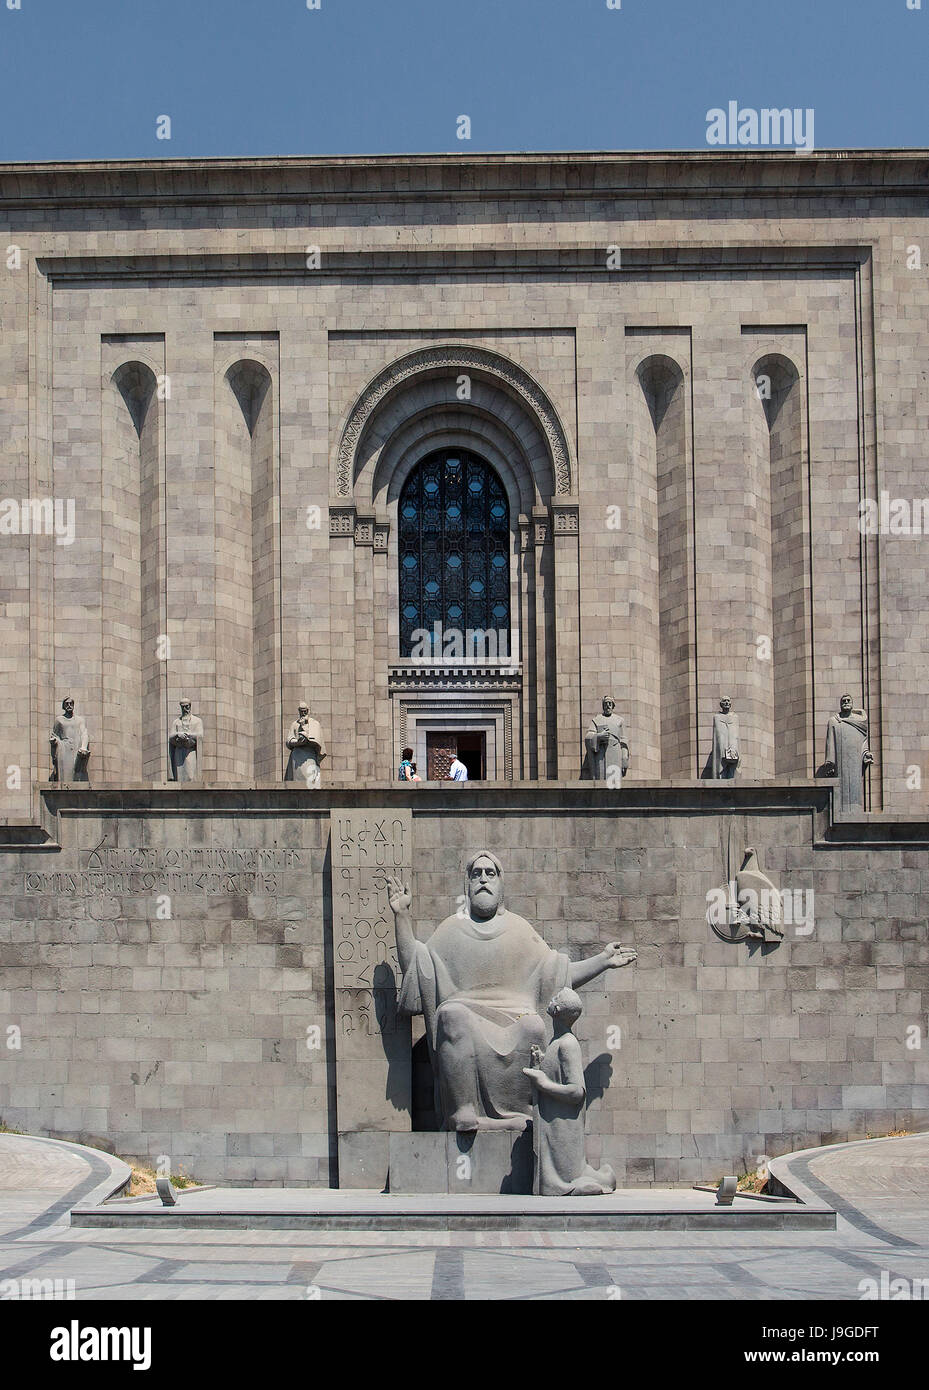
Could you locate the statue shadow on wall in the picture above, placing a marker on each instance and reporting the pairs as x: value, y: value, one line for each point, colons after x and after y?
x: 763, y: 948
x: 597, y: 1076
x: 395, y: 1036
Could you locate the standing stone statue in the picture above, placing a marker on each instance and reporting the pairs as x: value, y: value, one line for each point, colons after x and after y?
x: 557, y: 1075
x: 305, y: 742
x: 607, y: 748
x: 184, y: 743
x: 725, y: 755
x: 847, y: 753
x: 70, y: 745
x: 482, y: 981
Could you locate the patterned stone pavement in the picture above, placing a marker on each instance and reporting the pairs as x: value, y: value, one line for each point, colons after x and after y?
x: 878, y: 1187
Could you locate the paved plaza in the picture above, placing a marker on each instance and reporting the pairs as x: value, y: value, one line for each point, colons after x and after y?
x: 878, y: 1189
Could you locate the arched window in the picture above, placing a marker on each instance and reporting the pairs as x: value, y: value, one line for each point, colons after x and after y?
x: 454, y: 533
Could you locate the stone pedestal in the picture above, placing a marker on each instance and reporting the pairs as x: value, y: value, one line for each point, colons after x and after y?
x: 485, y: 1162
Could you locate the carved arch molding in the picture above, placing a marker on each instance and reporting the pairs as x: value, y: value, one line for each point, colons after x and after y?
x: 455, y: 357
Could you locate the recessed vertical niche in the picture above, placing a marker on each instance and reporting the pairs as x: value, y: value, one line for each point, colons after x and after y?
x: 779, y: 410
x: 247, y: 512
x: 132, y: 552
x: 666, y: 442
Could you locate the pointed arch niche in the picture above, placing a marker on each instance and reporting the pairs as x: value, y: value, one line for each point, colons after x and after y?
x: 247, y: 522
x: 779, y: 436
x: 132, y: 698
x: 661, y: 440
x: 525, y: 704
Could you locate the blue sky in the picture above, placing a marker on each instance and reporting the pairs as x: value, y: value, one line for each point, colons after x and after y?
x: 89, y: 78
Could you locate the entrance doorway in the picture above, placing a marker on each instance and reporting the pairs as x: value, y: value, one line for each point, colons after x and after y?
x: 443, y: 748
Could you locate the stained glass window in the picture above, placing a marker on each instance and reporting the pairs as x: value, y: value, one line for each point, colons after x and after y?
x: 454, y: 537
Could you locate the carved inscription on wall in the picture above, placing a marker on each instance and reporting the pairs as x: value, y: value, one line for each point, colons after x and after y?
x: 133, y: 872
x: 372, y: 1043
x: 365, y: 848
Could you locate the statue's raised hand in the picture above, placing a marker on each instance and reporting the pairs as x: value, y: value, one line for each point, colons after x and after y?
x: 398, y: 894
x: 618, y: 955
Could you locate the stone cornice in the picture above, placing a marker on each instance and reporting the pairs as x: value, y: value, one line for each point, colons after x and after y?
x: 503, y: 260
x: 677, y: 796
x: 356, y: 178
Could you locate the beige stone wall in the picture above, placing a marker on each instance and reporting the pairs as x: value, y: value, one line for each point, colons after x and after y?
x: 724, y: 262
x: 191, y: 1034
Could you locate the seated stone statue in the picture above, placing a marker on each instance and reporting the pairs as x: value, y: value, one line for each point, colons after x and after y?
x: 481, y: 981
x: 70, y: 745
x: 557, y: 1075
x: 184, y: 745
x: 305, y: 742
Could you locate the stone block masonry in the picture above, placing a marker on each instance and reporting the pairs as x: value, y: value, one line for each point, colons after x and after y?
x: 233, y: 428
x: 170, y: 969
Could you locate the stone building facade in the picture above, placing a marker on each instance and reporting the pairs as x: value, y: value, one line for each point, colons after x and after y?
x: 683, y: 376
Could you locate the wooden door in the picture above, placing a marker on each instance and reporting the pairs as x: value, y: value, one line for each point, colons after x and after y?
x: 441, y: 752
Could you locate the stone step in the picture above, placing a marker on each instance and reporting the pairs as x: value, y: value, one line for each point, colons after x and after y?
x: 317, y: 1209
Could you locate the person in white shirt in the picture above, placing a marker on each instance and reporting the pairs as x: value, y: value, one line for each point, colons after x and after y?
x: 458, y: 772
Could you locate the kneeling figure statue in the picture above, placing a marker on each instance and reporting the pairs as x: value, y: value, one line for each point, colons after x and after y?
x: 561, y: 1167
